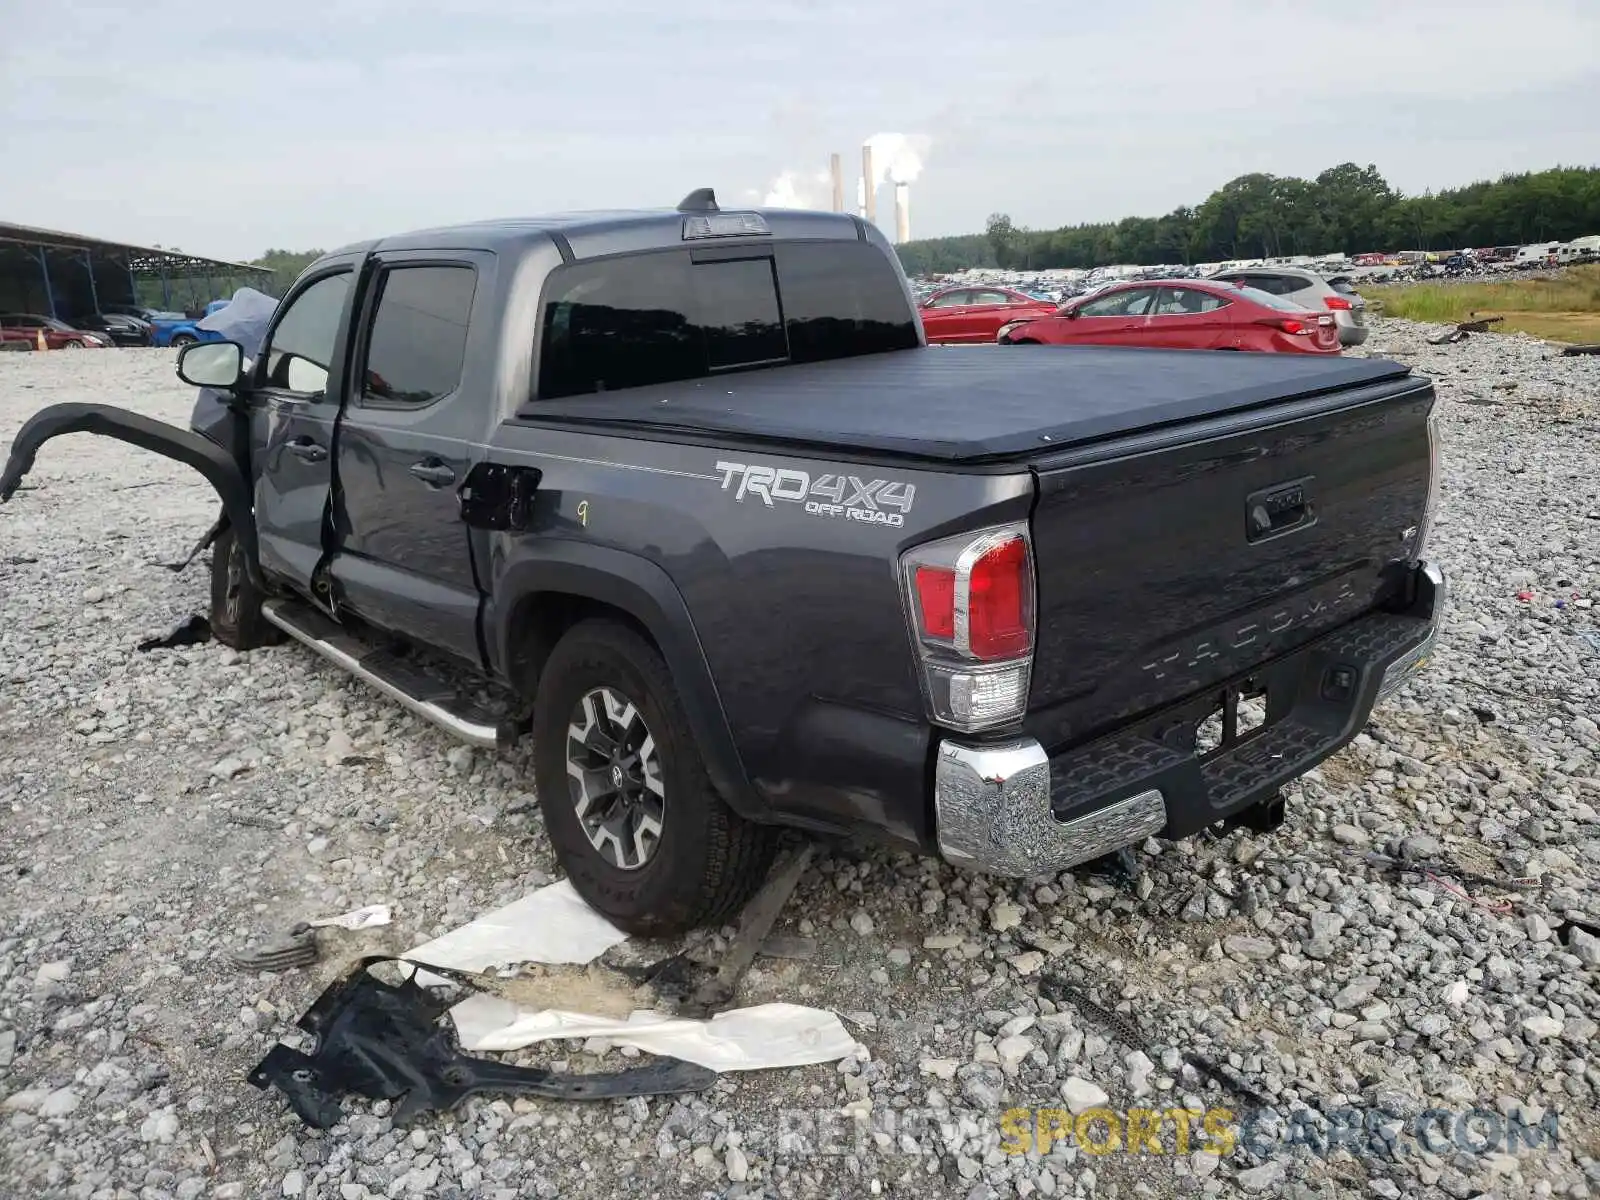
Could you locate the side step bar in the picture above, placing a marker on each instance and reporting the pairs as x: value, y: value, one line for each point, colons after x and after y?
x: 431, y: 699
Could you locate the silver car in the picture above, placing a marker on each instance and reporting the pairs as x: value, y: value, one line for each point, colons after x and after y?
x: 1315, y: 293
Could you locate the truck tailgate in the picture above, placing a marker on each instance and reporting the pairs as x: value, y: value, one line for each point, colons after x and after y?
x: 1168, y: 567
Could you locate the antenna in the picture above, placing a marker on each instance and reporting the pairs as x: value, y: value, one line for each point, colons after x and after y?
x: 699, y: 200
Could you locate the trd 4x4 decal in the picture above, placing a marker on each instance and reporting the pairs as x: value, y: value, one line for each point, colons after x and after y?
x: 846, y: 496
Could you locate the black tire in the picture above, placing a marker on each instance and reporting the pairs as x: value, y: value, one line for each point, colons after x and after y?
x: 236, y: 618
x: 180, y: 340
x: 707, y: 861
x: 72, y: 344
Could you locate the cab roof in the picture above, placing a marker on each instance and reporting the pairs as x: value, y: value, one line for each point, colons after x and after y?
x: 590, y: 234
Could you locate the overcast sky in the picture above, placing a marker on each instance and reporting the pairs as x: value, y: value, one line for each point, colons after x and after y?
x: 226, y: 128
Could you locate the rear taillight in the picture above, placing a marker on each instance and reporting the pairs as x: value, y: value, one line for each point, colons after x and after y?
x: 1338, y: 303
x: 970, y: 599
x: 1306, y: 326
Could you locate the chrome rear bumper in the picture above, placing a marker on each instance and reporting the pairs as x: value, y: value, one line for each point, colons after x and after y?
x: 996, y: 805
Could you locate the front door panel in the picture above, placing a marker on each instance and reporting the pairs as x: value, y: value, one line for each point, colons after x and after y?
x: 298, y: 382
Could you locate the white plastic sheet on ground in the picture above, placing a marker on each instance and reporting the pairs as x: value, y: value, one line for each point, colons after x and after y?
x: 552, y: 925
x: 745, y: 1039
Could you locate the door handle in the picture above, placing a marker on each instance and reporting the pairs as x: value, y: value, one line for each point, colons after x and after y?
x: 305, y: 448
x: 432, y: 472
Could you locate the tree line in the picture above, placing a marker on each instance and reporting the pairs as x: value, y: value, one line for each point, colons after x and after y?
x: 1346, y: 208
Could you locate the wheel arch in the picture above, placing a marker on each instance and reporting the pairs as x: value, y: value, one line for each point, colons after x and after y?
x: 545, y: 588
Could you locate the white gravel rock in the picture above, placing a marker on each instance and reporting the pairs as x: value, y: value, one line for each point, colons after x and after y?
x: 1082, y: 1095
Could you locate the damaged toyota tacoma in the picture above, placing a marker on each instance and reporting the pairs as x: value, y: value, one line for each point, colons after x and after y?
x: 685, y: 496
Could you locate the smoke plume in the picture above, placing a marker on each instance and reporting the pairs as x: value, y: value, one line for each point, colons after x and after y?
x: 898, y: 157
x: 799, y: 189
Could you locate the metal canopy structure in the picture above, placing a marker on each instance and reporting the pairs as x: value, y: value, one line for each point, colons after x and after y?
x: 68, y: 274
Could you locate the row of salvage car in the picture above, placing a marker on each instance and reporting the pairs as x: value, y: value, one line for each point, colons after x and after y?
x: 1280, y: 310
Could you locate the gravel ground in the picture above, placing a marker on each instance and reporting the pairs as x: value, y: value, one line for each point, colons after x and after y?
x: 161, y: 809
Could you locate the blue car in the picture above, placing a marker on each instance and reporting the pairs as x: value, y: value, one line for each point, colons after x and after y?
x: 173, y: 329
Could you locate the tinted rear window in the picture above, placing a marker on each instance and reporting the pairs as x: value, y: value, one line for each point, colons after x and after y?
x: 660, y: 317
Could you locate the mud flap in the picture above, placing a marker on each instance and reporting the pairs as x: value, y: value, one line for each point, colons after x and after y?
x: 204, y: 455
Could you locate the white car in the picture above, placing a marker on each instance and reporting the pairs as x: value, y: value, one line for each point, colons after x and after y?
x: 1312, y: 292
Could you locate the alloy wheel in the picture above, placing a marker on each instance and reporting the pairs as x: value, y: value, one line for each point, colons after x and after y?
x: 614, y: 777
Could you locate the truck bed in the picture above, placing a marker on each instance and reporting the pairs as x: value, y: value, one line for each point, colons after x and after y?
x: 970, y: 404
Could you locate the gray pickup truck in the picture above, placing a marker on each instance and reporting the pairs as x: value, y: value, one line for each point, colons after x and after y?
x: 685, y: 495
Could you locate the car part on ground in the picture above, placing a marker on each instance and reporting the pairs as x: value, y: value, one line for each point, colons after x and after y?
x: 1058, y: 989
x: 699, y: 993
x: 297, y: 948
x: 1465, y: 328
x: 391, y: 1042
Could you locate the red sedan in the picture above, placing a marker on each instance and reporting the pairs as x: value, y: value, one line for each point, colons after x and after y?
x: 1181, y: 314
x: 58, y: 335
x: 975, y: 314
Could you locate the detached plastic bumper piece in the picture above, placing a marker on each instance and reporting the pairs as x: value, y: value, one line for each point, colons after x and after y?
x: 389, y: 1043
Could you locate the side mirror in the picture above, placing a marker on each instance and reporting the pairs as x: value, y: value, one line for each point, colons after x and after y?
x: 212, y: 364
x: 1071, y: 314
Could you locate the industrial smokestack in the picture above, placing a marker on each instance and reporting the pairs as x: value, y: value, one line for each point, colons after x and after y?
x: 902, y: 212
x: 869, y: 186
x: 836, y: 169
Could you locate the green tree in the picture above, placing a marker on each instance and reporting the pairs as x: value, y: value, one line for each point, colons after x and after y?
x: 1347, y: 208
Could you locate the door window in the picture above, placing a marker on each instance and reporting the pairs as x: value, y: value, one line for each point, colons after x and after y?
x: 1134, y: 302
x: 952, y: 300
x: 418, y: 341
x: 300, y: 351
x: 1183, y: 302
x: 990, y: 298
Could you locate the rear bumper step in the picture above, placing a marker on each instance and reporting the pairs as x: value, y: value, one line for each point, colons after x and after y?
x: 1011, y: 808
x: 429, y: 698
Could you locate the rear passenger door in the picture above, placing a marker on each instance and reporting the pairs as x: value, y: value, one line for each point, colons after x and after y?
x: 1187, y: 318
x: 409, y: 435
x: 983, y: 318
x: 942, y: 319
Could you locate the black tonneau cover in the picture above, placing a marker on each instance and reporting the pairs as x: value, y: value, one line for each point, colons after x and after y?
x: 972, y: 402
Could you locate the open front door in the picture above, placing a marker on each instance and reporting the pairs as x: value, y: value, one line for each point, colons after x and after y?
x: 297, y: 386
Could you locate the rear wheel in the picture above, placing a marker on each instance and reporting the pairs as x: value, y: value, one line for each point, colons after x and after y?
x: 633, y: 816
x: 236, y: 618
x: 181, y: 340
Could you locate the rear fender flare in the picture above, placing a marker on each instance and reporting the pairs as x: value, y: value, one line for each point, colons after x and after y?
x: 645, y: 592
x: 221, y: 471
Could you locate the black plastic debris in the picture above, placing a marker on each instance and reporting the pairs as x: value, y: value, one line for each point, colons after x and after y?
x: 390, y: 1042
x: 1059, y: 990
x: 195, y: 631
x: 1585, y: 348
